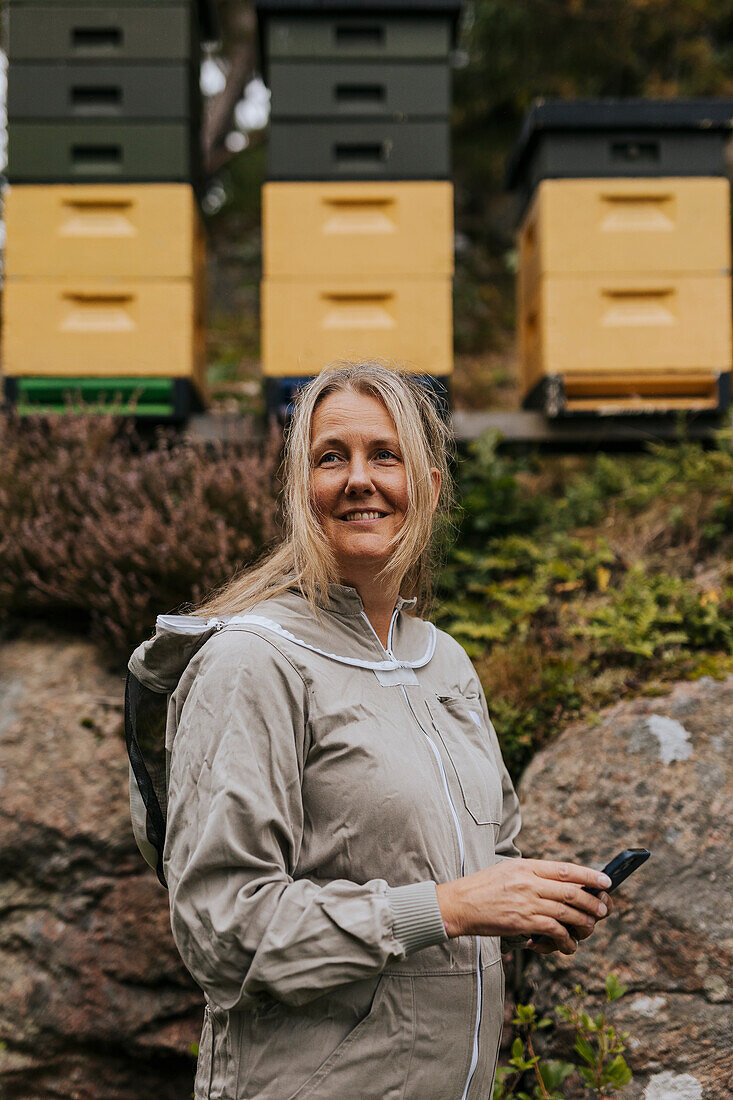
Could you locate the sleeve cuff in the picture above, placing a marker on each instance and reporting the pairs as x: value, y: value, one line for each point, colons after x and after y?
x: 418, y: 921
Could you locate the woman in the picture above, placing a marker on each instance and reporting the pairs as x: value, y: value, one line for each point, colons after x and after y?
x: 340, y: 834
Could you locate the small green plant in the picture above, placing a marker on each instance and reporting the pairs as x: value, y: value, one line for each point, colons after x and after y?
x: 599, y: 1047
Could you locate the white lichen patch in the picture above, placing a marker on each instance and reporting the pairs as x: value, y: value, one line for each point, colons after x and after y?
x: 670, y: 1086
x: 674, y: 740
x: 719, y: 742
x: 647, y: 1006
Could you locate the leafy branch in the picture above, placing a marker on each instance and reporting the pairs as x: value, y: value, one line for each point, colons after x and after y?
x: 599, y: 1046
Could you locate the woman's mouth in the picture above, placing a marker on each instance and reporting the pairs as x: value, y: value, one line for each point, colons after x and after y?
x: 356, y: 517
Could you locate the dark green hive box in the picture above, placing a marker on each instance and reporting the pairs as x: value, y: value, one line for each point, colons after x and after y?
x: 48, y: 152
x: 373, y: 30
x: 101, y: 91
x: 355, y: 89
x: 68, y: 32
x: 204, y: 11
x: 374, y: 37
x: 359, y: 150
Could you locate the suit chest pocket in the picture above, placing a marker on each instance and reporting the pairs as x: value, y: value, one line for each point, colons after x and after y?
x: 460, y: 725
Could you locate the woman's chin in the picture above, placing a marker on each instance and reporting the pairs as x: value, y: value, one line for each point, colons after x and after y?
x: 361, y: 557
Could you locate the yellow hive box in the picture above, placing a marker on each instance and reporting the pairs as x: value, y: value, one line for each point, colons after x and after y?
x: 307, y: 324
x: 645, y: 391
x: 625, y: 227
x: 84, y: 328
x: 357, y: 229
x: 101, y: 231
x: 597, y: 325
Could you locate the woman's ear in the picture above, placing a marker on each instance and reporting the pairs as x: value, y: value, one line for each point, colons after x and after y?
x: 436, y: 480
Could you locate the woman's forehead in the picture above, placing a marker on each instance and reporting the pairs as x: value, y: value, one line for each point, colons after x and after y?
x: 346, y: 413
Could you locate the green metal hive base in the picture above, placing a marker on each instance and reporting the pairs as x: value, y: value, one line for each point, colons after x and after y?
x: 148, y: 397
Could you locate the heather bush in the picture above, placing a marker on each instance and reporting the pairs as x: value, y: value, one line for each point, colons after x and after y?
x: 99, y: 527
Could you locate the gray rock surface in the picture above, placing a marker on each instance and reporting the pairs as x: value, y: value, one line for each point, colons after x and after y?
x: 94, y: 1002
x: 654, y: 773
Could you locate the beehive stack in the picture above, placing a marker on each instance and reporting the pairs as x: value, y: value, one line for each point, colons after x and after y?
x: 624, y: 292
x: 105, y: 259
x: 358, y: 211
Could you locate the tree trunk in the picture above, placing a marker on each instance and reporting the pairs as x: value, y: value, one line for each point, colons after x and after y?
x: 238, y: 22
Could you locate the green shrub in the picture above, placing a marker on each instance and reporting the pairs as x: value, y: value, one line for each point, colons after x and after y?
x: 491, y: 496
x: 652, y: 616
x: 573, y: 580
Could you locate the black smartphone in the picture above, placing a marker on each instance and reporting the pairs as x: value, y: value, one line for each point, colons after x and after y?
x: 620, y: 867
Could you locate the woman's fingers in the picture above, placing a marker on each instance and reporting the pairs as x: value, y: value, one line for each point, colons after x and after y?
x: 549, y: 947
x: 552, y: 936
x: 546, y: 947
x: 575, y: 896
x: 567, y: 914
x: 580, y: 931
x: 583, y: 933
x: 604, y: 899
x: 570, y: 872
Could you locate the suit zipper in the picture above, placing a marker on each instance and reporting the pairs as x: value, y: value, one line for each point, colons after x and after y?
x: 461, y: 847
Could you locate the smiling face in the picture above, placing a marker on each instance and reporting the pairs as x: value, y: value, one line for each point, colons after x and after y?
x: 359, y: 481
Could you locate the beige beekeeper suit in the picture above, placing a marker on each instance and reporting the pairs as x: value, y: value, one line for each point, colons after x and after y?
x: 319, y: 787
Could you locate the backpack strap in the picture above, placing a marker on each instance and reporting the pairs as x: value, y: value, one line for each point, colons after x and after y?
x: 145, y: 718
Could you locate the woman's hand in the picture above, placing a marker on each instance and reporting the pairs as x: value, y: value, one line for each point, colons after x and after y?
x: 528, y: 897
x: 546, y: 947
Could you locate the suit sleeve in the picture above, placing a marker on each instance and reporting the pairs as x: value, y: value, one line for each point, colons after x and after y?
x: 247, y: 929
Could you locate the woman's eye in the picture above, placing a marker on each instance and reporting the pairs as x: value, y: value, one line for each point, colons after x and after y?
x: 385, y: 455
x: 328, y: 458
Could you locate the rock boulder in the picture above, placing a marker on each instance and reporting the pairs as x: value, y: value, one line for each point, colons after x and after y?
x: 95, y: 1003
x: 654, y: 773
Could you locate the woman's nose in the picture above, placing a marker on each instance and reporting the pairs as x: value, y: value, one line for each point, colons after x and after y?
x: 359, y: 478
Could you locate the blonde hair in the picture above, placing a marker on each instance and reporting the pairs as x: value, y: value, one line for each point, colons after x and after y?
x: 304, y: 559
